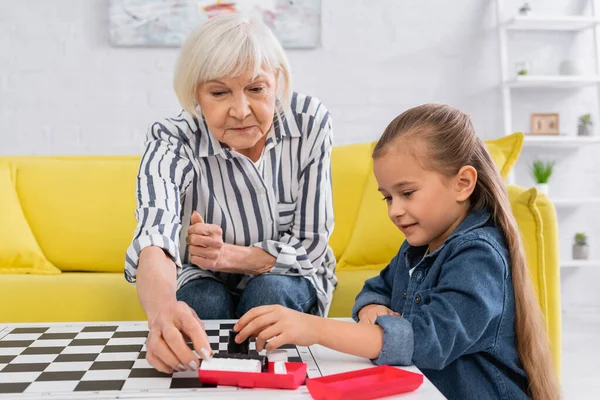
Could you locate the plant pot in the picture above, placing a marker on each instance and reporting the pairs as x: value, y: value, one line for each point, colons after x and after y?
x: 584, y: 130
x: 570, y: 67
x: 581, y: 252
x: 542, y: 188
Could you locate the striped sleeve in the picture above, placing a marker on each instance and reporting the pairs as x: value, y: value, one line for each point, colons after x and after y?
x: 165, y: 173
x: 302, y: 250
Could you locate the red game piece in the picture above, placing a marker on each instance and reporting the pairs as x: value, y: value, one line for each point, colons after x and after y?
x: 296, y: 374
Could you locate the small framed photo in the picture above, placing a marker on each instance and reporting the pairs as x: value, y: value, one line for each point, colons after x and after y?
x: 545, y: 124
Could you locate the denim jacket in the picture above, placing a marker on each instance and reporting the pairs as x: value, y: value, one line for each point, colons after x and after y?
x: 458, y: 313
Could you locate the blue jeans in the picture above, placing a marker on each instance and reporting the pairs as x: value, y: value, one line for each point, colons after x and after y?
x: 212, y: 299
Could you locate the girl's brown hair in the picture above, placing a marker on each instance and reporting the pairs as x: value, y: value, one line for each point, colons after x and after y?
x: 449, y: 140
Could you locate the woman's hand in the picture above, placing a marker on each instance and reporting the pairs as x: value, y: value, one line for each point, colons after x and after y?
x: 166, y: 349
x: 278, y: 324
x: 208, y: 252
x: 368, y: 314
x: 205, y: 243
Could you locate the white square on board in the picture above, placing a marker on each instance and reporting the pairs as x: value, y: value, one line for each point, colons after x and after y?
x: 133, y: 328
x: 141, y: 363
x: 118, y: 356
x: 94, y: 335
x: 22, y: 336
x: 51, y: 386
x: 51, y: 343
x: 82, y: 350
x: 34, y: 358
x: 126, y: 341
x: 147, y: 383
x: 17, y: 377
x: 11, y: 351
x: 65, y: 329
x: 106, y: 375
x: 69, y: 366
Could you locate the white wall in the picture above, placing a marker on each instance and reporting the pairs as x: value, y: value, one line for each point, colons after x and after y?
x: 65, y: 90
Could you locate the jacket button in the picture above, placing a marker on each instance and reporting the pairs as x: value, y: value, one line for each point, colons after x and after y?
x: 418, y: 299
x: 404, y: 294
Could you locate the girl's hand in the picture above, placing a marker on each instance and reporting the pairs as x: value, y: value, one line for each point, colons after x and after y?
x: 205, y: 242
x: 278, y: 323
x: 368, y: 314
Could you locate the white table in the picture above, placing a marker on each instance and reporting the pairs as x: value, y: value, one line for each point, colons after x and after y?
x: 329, y: 361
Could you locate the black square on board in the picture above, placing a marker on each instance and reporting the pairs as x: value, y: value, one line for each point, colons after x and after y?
x: 17, y: 387
x: 99, y: 329
x: 104, y: 365
x: 29, y: 330
x: 60, y: 376
x: 97, y: 386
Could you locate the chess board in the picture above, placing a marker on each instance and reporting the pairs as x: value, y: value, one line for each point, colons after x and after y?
x: 99, y: 359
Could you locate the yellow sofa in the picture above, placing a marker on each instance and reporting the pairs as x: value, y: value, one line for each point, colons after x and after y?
x: 66, y: 221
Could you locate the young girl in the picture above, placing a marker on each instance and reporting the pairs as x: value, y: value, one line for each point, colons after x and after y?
x: 456, y: 301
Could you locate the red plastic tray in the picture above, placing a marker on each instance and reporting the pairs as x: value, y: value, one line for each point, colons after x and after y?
x: 364, y: 384
x: 296, y: 374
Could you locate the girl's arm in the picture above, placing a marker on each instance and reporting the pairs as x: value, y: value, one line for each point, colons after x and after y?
x: 282, y: 325
x: 362, y: 340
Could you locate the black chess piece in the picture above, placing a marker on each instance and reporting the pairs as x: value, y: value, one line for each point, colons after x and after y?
x: 235, y: 348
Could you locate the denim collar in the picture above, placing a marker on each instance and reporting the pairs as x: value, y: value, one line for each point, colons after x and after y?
x: 474, y: 220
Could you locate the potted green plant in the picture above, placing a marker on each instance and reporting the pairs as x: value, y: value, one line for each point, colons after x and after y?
x: 581, y: 249
x: 542, y: 171
x: 585, y: 125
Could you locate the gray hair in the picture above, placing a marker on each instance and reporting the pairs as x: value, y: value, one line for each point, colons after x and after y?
x: 227, y: 46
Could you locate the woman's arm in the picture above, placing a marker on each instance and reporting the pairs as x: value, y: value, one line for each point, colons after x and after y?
x: 247, y: 260
x: 156, y: 280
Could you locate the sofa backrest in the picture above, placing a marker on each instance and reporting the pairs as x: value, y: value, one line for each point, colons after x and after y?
x: 80, y: 209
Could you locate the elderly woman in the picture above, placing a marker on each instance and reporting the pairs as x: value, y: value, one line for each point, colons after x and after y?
x: 234, y: 204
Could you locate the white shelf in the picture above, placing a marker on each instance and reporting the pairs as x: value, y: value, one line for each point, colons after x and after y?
x: 553, y: 81
x: 549, y: 23
x: 579, y: 263
x: 560, y: 141
x: 574, y: 201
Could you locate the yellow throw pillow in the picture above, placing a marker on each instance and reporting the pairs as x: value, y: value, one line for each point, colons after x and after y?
x: 375, y: 239
x: 85, y: 219
x: 505, y: 152
x: 19, y: 251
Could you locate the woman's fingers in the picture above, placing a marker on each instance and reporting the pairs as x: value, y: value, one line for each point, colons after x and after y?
x: 187, y: 359
x: 193, y: 327
x: 205, y: 230
x: 159, y: 353
x: 158, y: 364
x: 204, y: 241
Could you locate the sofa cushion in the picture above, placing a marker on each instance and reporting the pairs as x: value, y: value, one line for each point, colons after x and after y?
x: 70, y: 296
x: 19, y: 250
x: 81, y: 210
x: 375, y: 239
x: 351, y: 165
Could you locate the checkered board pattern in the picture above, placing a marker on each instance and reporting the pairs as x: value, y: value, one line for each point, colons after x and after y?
x: 98, y: 358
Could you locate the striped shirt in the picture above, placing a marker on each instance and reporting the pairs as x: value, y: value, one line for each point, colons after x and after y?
x: 281, y: 204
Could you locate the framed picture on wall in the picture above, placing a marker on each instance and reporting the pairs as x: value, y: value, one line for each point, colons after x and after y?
x: 297, y: 24
x: 545, y: 124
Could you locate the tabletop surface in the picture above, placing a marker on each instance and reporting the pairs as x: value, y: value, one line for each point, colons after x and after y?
x: 329, y: 362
